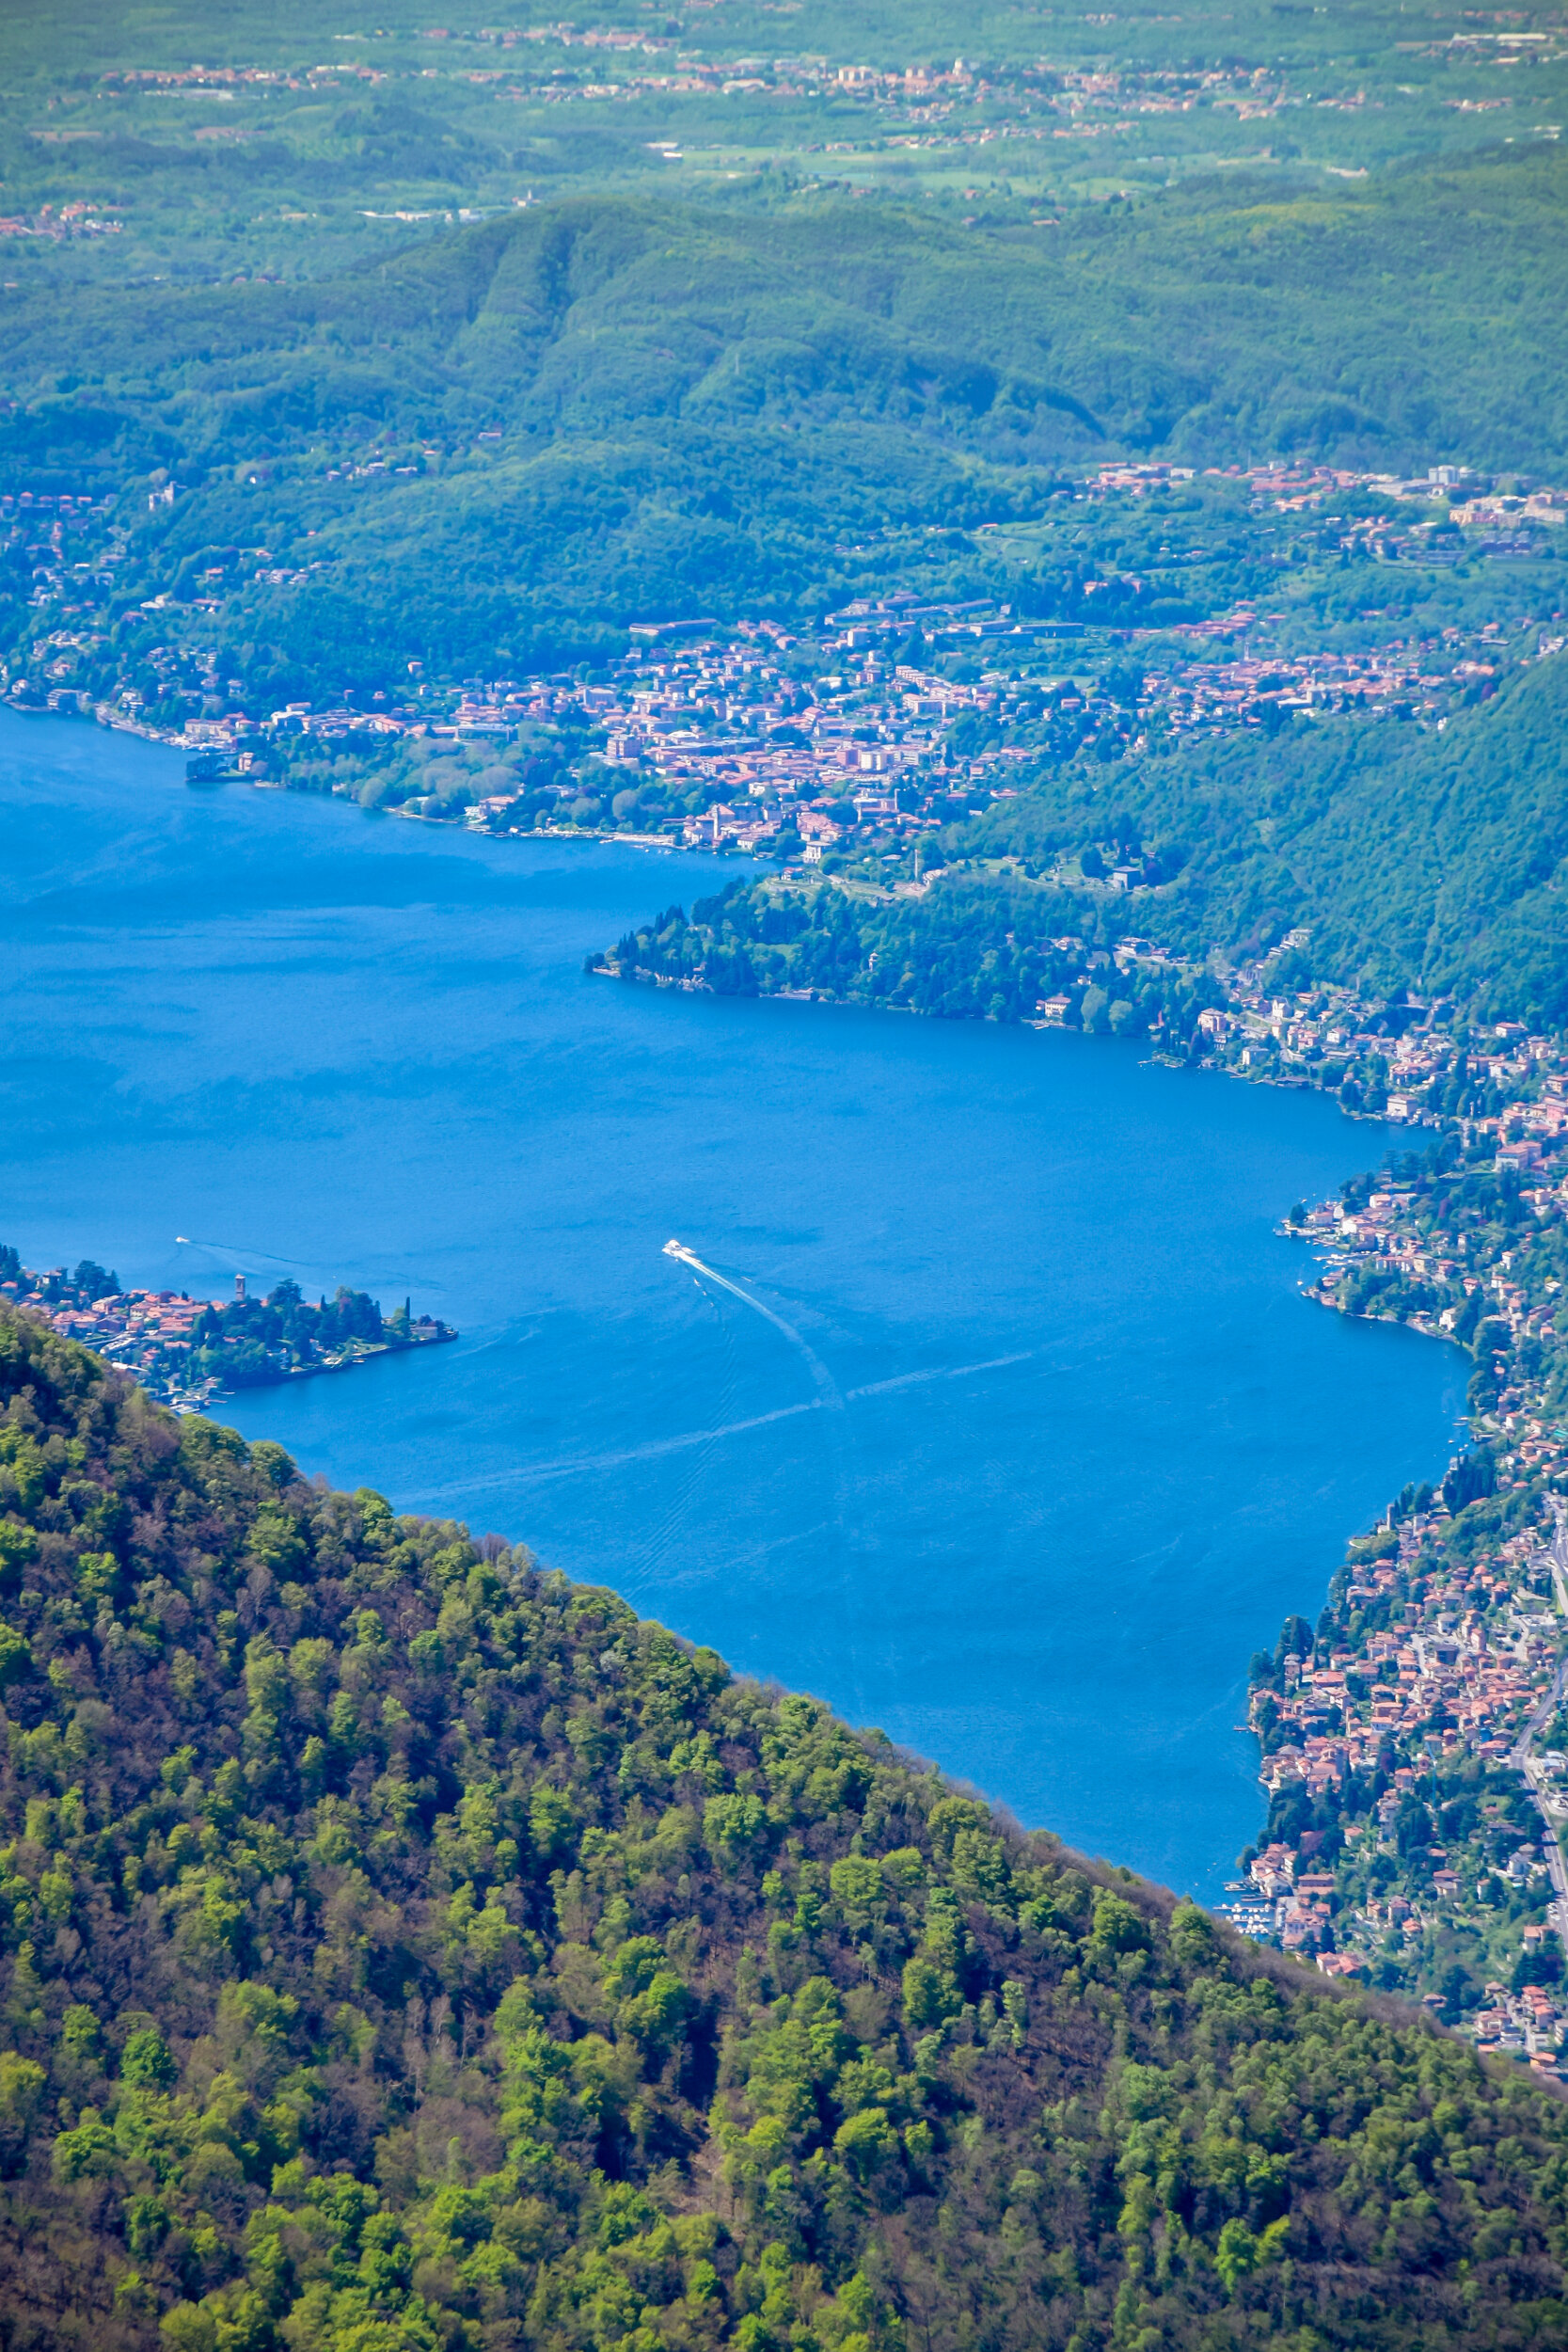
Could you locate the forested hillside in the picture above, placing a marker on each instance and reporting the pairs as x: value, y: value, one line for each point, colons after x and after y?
x: 407, y: 1948
x: 1421, y: 859
x: 687, y: 411
x: 1428, y: 860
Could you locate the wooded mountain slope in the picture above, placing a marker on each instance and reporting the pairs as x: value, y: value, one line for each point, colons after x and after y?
x: 695, y: 405
x: 405, y: 1949
x: 1412, y: 857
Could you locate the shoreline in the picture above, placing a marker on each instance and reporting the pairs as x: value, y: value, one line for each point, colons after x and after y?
x: 1482, y: 1109
x: 1399, y: 1742
x: 366, y: 1354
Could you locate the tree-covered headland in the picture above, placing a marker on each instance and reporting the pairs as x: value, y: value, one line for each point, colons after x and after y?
x: 1391, y: 859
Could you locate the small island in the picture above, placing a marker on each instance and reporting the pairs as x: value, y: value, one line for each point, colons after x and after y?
x: 190, y: 1353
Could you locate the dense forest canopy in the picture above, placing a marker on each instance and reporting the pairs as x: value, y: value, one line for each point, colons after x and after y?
x: 405, y: 1949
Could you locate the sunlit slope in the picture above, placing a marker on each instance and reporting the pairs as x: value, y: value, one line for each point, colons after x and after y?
x: 1437, y: 861
x: 403, y: 1951
x: 1443, y: 860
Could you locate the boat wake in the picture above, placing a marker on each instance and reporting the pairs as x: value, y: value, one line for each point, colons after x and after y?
x: 828, y: 1388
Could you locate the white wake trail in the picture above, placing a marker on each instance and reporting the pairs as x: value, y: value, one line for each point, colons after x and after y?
x: 827, y: 1387
x: 577, y: 1466
x: 840, y: 1438
x: 942, y: 1371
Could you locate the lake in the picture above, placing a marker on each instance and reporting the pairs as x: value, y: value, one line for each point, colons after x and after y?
x: 1027, y: 1440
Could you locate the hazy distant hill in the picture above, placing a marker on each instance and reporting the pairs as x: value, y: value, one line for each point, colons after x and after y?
x: 696, y: 406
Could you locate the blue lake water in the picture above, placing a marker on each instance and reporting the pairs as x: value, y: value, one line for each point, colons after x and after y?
x: 1043, y: 1442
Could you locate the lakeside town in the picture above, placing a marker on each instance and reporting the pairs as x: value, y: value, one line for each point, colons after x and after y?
x: 846, y: 743
x: 192, y: 1353
x: 1415, y: 1742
